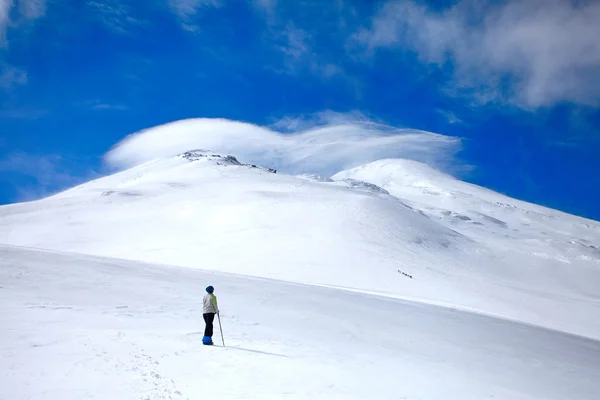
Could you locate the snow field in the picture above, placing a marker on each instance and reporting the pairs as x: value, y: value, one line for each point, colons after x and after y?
x: 77, y: 326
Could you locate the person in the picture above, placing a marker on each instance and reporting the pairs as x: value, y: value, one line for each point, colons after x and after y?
x: 209, y: 310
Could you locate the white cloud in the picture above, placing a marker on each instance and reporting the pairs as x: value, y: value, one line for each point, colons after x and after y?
x: 28, y: 10
x: 324, y: 148
x: 450, y: 116
x: 267, y: 6
x: 531, y: 53
x: 114, y: 15
x: 5, y: 7
x: 106, y: 106
x: 32, y: 9
x: 23, y: 112
x: 295, y: 40
x: 101, y: 105
x: 323, y: 118
x: 297, y: 47
x: 186, y: 10
x: 11, y: 76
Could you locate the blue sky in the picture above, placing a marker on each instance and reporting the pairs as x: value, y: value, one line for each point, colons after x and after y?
x: 517, y: 82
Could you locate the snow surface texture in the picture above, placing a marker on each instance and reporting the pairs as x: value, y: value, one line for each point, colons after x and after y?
x: 463, y: 246
x: 78, y: 327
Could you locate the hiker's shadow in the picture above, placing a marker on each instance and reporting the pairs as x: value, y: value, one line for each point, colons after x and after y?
x: 258, y: 352
x: 241, y: 348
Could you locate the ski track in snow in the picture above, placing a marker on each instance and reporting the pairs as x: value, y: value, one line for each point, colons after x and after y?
x: 81, y: 327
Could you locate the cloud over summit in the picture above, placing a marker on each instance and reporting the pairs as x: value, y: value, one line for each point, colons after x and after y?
x: 325, y: 149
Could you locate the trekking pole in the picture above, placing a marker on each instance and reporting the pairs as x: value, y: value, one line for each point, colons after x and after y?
x: 221, y: 329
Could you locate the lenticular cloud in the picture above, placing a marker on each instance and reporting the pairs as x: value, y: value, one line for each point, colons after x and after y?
x: 324, y: 149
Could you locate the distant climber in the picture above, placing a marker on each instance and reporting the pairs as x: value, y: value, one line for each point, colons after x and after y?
x: 209, y: 310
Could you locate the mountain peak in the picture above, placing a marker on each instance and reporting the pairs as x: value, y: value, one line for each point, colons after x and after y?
x: 400, y: 171
x: 201, y: 154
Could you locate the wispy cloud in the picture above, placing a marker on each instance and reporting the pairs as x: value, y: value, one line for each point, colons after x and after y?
x: 294, y: 44
x: 297, y: 47
x: 450, y: 116
x: 11, y: 76
x: 105, y: 106
x: 320, y: 147
x: 530, y: 53
x: 45, y: 174
x: 291, y: 124
x: 186, y: 11
x: 27, y: 10
x: 102, y: 105
x: 5, y: 6
x: 23, y: 113
x: 267, y: 9
x: 309, y: 38
x: 32, y: 9
x: 267, y: 6
x: 115, y: 15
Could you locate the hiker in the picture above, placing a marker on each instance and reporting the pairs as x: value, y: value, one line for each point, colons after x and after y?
x: 209, y: 310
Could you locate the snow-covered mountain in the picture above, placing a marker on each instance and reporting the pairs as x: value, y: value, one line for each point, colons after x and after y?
x: 394, y: 227
x: 324, y: 285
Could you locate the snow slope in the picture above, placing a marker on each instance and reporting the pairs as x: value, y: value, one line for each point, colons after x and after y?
x: 207, y: 211
x: 481, y: 213
x: 79, y: 327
